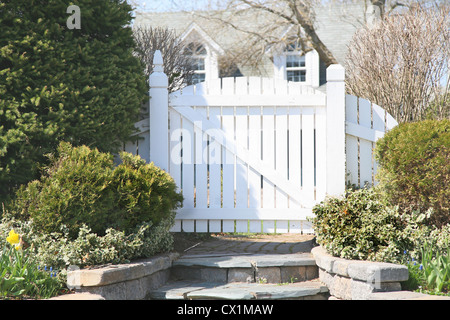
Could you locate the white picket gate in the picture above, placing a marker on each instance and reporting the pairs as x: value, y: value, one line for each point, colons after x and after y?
x: 256, y: 154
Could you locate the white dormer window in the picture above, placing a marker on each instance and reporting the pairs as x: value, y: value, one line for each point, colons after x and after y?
x: 198, y: 55
x: 294, y: 66
x: 204, y: 51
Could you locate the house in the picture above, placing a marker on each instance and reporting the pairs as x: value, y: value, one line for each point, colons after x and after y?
x: 211, y: 43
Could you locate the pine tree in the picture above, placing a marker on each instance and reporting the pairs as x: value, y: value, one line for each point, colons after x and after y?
x: 83, y: 86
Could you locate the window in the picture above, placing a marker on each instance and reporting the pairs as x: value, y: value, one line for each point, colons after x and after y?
x: 295, y: 64
x: 198, y: 54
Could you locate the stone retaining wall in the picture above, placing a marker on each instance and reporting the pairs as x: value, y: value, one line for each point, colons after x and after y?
x: 345, y: 279
x: 364, y: 280
x: 130, y: 281
x: 357, y: 280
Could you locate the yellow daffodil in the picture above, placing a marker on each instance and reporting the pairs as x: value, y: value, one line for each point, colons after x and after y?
x: 13, y: 237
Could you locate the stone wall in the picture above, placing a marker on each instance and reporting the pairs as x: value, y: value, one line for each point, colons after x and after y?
x: 345, y: 279
x: 130, y: 281
x: 357, y: 280
x: 364, y: 280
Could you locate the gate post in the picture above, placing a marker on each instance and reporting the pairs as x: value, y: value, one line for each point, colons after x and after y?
x: 159, y: 114
x: 335, y: 130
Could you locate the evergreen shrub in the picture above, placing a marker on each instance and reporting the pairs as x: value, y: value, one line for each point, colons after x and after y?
x: 83, y: 187
x: 414, y: 168
x: 82, y: 85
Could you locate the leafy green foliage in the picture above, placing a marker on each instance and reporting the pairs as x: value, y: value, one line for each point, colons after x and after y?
x: 20, y: 276
x: 436, y: 269
x: 60, y: 250
x: 414, y: 170
x: 431, y: 272
x: 59, y: 84
x: 81, y: 186
x: 360, y: 226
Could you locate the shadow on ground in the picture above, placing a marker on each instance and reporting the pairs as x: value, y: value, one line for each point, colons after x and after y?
x: 190, y: 243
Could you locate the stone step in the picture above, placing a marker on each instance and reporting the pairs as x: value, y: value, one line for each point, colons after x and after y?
x: 197, y: 290
x: 276, y: 268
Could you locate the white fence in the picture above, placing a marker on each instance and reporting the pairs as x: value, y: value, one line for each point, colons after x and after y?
x: 256, y: 154
x: 365, y: 124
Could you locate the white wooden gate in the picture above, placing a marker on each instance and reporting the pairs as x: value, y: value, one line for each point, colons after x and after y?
x: 244, y: 154
x: 255, y: 154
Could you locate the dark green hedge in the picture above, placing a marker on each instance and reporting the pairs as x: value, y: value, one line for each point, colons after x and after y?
x: 59, y: 84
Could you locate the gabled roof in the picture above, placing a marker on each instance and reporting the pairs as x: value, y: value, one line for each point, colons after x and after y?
x: 335, y: 25
x: 194, y: 28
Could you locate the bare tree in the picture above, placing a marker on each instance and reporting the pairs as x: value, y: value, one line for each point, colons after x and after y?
x: 274, y: 24
x: 401, y: 62
x: 177, y: 65
x: 271, y: 24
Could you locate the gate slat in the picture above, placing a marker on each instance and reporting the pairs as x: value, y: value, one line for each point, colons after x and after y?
x: 281, y: 122
x: 215, y: 159
x: 201, y: 175
x: 188, y: 163
x: 308, y: 152
x: 254, y: 178
x: 268, y: 149
x: 379, y: 125
x: 365, y: 147
x: 254, y: 147
x: 175, y: 155
x: 228, y: 159
x: 175, y: 147
x: 351, y: 142
x: 215, y: 164
x: 321, y: 153
x: 241, y: 168
x: 294, y: 151
x: 268, y: 146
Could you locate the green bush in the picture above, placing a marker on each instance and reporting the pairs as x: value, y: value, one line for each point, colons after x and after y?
x: 80, y: 85
x: 81, y: 186
x: 360, y: 226
x: 414, y: 168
